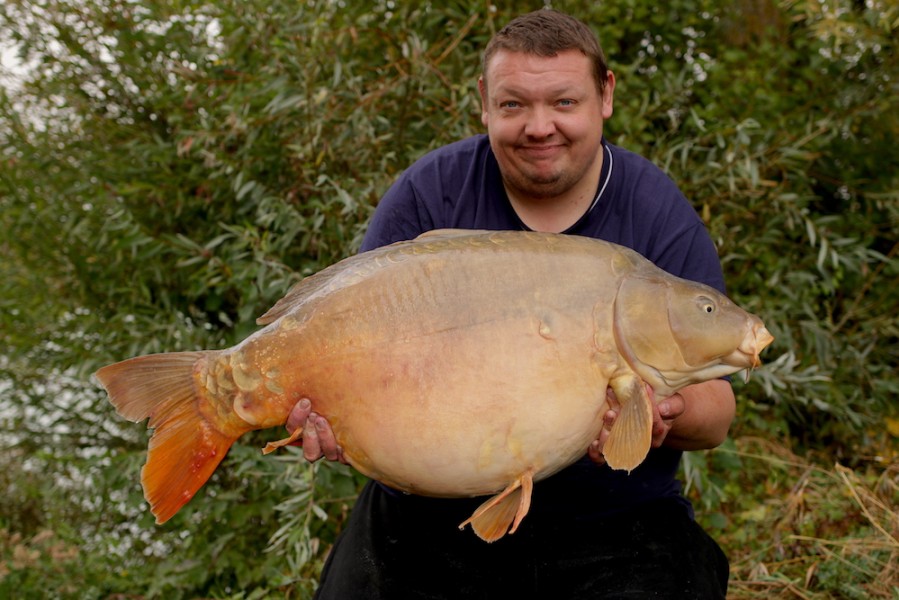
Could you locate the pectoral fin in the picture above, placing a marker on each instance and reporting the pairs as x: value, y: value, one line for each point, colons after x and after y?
x: 492, y: 519
x: 631, y: 434
x: 272, y: 446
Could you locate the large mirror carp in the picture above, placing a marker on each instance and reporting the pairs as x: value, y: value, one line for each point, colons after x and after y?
x: 462, y: 363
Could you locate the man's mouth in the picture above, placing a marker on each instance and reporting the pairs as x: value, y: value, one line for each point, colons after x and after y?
x: 541, y: 151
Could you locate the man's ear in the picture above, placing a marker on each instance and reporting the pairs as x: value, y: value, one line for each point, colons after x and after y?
x: 608, y: 95
x: 482, y: 88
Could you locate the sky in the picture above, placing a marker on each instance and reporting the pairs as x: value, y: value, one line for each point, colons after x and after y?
x: 11, y: 68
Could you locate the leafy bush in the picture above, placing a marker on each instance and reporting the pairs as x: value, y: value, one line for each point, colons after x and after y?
x: 170, y: 169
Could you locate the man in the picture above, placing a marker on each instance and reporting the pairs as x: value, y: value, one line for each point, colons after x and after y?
x: 592, y: 532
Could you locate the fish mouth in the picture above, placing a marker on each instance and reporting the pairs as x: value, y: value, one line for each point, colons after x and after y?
x: 744, y: 357
x: 747, y: 353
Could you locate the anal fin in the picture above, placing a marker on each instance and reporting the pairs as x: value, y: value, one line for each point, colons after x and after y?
x: 503, y: 512
x: 631, y: 435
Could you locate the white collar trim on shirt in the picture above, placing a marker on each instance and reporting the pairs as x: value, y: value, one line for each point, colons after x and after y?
x: 602, y: 188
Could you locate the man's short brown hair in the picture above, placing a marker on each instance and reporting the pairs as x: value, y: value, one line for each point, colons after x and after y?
x: 547, y: 32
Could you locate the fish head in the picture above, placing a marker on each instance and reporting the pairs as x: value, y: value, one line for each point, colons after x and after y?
x: 675, y: 332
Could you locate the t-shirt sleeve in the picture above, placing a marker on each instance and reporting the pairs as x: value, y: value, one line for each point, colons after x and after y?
x: 455, y: 186
x: 399, y: 216
x: 673, y: 235
x: 692, y: 255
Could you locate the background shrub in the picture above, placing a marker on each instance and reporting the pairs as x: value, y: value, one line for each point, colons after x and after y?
x: 168, y: 170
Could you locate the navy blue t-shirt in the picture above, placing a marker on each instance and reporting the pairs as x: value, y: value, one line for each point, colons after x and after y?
x: 637, y: 205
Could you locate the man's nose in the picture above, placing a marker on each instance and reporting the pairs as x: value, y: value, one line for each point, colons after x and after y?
x: 540, y: 123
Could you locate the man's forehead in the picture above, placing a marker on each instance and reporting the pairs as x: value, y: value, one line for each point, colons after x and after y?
x: 503, y: 54
x: 566, y: 60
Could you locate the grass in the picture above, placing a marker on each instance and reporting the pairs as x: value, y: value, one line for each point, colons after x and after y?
x: 800, y: 527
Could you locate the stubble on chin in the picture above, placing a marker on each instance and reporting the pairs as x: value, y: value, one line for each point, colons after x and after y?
x: 537, y: 187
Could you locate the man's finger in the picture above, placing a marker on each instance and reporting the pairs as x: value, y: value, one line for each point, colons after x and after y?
x: 298, y: 415
x: 609, y: 418
x: 595, y: 452
x: 326, y: 442
x: 311, y: 444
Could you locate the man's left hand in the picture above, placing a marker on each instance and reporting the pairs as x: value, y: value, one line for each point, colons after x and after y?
x: 664, y: 412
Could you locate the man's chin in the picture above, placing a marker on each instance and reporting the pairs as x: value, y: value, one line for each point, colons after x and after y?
x: 544, y: 187
x: 528, y: 178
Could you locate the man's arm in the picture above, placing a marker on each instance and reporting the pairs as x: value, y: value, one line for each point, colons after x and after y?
x: 706, y: 412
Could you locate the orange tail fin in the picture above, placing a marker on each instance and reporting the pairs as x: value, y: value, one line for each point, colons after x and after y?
x: 185, y: 447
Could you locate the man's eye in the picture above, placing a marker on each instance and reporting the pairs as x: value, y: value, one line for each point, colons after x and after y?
x: 509, y: 104
x: 566, y: 102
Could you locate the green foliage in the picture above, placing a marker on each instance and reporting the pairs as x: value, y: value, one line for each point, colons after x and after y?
x: 169, y: 169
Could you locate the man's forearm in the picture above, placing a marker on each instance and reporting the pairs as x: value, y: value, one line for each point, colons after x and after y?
x: 709, y: 411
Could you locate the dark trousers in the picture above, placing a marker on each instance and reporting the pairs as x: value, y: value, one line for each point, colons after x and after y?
x: 399, y: 547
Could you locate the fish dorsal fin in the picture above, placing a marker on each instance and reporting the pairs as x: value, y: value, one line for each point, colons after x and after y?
x: 631, y: 434
x: 338, y: 275
x: 448, y: 234
x: 503, y: 512
x: 352, y: 270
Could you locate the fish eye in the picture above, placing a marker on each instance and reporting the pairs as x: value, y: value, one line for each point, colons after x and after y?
x: 706, y: 305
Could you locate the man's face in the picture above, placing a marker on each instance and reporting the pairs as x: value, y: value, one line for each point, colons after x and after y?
x: 544, y: 117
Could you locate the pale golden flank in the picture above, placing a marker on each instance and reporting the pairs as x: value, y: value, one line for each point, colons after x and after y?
x: 459, y: 364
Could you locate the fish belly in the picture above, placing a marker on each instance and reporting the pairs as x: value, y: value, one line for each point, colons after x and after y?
x: 465, y: 411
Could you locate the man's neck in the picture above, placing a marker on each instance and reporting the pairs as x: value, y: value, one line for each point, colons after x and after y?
x: 550, y: 215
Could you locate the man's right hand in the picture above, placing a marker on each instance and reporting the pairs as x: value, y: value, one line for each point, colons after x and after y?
x: 318, y: 438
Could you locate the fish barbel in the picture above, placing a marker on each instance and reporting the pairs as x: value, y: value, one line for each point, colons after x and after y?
x: 462, y: 363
